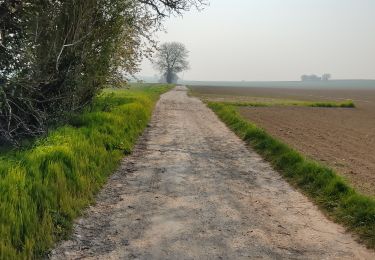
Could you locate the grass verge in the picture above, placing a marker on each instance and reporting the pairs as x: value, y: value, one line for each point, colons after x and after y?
x: 328, y: 190
x: 45, y: 186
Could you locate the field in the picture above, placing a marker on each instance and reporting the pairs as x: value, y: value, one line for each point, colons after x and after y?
x: 342, y: 138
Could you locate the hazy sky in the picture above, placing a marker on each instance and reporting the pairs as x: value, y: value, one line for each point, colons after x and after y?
x: 276, y: 39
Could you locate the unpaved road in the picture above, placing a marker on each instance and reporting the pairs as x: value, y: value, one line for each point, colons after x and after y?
x: 193, y: 190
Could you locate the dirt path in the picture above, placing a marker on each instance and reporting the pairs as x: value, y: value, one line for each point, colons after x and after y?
x: 192, y: 190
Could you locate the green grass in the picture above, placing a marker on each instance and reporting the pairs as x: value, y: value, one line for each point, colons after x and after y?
x: 328, y: 190
x: 45, y: 186
x: 344, y: 104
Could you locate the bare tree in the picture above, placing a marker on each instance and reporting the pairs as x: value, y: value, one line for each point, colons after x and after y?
x: 164, y: 8
x: 171, y: 59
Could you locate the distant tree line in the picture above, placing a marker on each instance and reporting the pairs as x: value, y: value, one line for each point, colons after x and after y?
x: 56, y: 55
x: 313, y: 77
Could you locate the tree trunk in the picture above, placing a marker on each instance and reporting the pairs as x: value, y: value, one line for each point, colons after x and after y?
x: 169, y: 77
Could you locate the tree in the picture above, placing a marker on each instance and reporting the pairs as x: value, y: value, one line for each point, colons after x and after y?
x: 171, y: 59
x: 57, y: 55
x: 172, y: 78
x: 326, y: 76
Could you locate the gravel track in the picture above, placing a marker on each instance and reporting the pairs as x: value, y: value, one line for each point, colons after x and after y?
x: 193, y: 190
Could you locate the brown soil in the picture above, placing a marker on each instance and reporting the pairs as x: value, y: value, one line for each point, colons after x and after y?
x: 363, y: 97
x: 341, y: 138
x: 193, y: 190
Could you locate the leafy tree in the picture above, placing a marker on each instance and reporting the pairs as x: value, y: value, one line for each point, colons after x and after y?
x: 56, y: 55
x: 171, y: 59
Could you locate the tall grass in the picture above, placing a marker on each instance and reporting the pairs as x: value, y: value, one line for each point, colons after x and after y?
x: 45, y: 186
x: 322, y: 184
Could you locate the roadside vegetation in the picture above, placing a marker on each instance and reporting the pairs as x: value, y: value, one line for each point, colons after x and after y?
x: 328, y: 190
x: 45, y: 185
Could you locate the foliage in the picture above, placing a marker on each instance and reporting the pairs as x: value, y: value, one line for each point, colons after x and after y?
x: 44, y: 187
x: 171, y: 59
x: 322, y: 184
x: 55, y: 56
